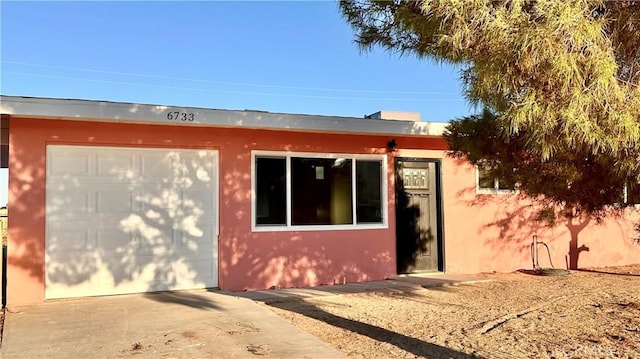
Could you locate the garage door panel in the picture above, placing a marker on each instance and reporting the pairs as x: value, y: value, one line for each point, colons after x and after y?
x: 57, y: 204
x: 200, y: 199
x: 80, y: 201
x: 195, y: 241
x: 70, y: 163
x: 204, y: 267
x: 114, y: 202
x: 185, y: 169
x: 116, y: 230
x: 114, y: 240
x: 158, y: 165
x: 116, y: 166
x: 160, y: 245
x: 170, y: 206
x: 69, y: 239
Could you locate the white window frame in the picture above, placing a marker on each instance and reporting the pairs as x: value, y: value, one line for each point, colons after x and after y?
x: 625, y: 197
x: 384, y: 200
x: 496, y: 186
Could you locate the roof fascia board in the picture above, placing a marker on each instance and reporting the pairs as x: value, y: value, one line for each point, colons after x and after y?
x: 88, y: 110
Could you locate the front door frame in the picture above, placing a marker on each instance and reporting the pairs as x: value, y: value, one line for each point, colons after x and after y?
x: 439, y: 206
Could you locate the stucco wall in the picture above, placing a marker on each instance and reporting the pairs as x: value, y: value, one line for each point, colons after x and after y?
x: 494, y: 232
x: 248, y: 260
x: 481, y: 233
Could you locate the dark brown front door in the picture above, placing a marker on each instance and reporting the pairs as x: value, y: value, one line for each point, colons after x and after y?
x: 418, y: 238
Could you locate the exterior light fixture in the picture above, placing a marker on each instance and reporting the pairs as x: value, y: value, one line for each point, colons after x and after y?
x: 392, y: 146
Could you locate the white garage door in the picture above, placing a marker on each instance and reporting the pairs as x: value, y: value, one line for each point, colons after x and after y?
x: 130, y: 220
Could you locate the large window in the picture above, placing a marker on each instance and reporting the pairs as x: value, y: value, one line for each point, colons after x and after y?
x: 307, y: 190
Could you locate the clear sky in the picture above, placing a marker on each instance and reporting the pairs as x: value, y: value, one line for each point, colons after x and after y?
x: 292, y: 57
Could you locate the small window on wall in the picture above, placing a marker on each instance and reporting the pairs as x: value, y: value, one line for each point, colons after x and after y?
x: 314, y: 191
x: 487, y: 183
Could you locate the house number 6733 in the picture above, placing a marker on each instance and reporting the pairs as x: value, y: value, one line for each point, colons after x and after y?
x: 180, y: 116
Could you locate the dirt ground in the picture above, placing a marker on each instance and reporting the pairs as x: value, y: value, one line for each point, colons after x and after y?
x: 587, y: 314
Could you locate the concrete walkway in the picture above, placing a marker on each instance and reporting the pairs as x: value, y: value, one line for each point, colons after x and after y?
x: 189, y: 324
x: 160, y: 325
x: 401, y: 283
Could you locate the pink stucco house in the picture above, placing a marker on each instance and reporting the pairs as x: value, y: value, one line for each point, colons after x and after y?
x: 110, y: 198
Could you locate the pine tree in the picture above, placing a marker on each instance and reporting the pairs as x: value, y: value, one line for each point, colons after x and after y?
x: 559, y: 82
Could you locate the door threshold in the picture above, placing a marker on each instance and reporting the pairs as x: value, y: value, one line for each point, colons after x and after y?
x: 421, y: 274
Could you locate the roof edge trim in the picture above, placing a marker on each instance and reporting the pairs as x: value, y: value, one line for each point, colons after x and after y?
x: 91, y: 110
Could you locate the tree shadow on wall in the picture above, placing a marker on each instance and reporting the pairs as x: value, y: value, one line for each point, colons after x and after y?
x: 575, y: 225
x: 160, y: 231
x: 23, y: 216
x: 518, y: 223
x: 264, y: 259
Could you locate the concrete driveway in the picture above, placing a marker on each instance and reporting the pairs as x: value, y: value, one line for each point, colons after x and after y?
x: 192, y: 324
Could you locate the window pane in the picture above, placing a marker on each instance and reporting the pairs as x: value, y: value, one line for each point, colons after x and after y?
x: 321, y: 191
x: 485, y: 180
x: 633, y: 193
x: 369, y: 191
x: 503, y: 184
x: 271, y: 197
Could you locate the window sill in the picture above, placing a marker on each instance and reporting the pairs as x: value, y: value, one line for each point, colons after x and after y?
x: 320, y: 227
x: 635, y: 206
x: 495, y: 191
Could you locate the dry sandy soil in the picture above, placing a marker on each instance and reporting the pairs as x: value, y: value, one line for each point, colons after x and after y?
x: 587, y: 314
